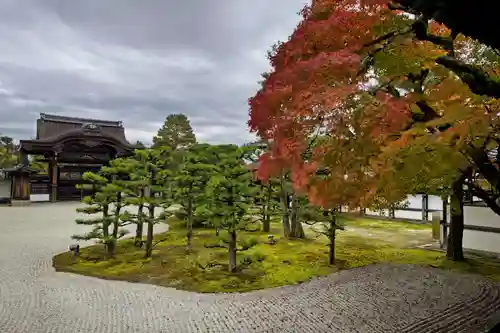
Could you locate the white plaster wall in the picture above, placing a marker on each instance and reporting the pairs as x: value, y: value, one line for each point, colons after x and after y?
x: 414, y: 201
x: 5, y: 188
x: 408, y: 214
x: 384, y: 212
x: 435, y: 203
x: 480, y: 240
x: 39, y: 197
x: 481, y: 216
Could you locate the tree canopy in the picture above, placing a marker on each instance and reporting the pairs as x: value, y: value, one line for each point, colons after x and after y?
x: 385, y: 89
x: 176, y: 133
x: 476, y: 21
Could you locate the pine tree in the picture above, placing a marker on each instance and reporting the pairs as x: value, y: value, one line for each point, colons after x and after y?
x: 176, y: 133
x: 156, y: 191
x: 8, y: 154
x: 231, y: 193
x: 100, y: 203
x: 135, y: 193
x: 266, y: 191
x: 189, y: 184
x: 328, y: 222
x: 118, y: 171
x: 266, y: 201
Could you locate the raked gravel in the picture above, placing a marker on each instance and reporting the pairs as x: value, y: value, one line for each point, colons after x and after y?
x: 379, y: 298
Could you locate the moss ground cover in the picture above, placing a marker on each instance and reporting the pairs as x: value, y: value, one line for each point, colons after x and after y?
x: 365, y: 242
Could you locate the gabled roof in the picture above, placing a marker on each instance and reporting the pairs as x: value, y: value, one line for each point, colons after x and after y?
x: 50, y: 127
x: 77, y: 120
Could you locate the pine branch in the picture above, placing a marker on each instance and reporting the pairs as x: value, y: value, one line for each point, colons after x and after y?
x: 89, y: 221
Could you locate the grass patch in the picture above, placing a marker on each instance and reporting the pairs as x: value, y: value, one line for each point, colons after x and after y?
x: 387, y: 225
x: 287, y: 262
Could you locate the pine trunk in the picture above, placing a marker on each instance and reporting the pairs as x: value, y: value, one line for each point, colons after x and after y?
x: 331, y: 245
x: 111, y: 247
x: 116, y: 220
x: 138, y: 233
x: 149, y: 236
x: 266, y: 218
x: 232, y: 251
x: 285, y: 209
x: 140, y: 224
x: 108, y: 248
x: 189, y: 246
x: 454, y: 249
x: 266, y: 226
x: 297, y: 230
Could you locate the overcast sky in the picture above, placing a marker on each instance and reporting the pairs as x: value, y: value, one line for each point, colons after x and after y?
x: 137, y: 61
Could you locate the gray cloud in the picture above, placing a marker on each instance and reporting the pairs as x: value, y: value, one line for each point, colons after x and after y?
x: 137, y: 61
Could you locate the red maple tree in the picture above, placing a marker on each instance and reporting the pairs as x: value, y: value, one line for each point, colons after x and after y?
x: 354, y: 72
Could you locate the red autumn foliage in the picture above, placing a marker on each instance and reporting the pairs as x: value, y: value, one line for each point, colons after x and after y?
x: 320, y: 82
x: 315, y: 72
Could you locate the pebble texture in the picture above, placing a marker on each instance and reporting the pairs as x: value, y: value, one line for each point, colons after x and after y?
x: 379, y: 298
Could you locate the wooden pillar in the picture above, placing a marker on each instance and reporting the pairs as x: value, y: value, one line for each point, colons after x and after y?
x: 54, y: 179
x: 12, y: 187
x: 23, y: 158
x: 25, y: 186
x: 20, y: 188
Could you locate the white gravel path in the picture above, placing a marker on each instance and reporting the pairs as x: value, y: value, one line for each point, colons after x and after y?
x: 379, y: 298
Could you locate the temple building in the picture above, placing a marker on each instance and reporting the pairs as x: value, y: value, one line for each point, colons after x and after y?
x: 70, y: 146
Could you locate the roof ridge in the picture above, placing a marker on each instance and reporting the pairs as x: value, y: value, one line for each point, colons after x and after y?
x: 78, y: 120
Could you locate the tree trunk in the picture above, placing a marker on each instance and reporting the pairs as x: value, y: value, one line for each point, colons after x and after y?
x: 138, y: 233
x: 151, y: 217
x: 189, y: 246
x: 232, y: 251
x: 111, y: 245
x: 454, y: 249
x: 297, y: 230
x: 140, y: 224
x: 266, y: 226
x: 331, y: 236
x: 116, y: 220
x: 266, y: 219
x: 149, y: 236
x: 108, y: 248
x: 285, y: 209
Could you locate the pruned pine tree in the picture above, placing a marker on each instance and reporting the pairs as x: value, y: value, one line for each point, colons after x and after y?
x: 268, y: 190
x: 230, y: 193
x: 99, y: 207
x: 135, y: 194
x: 324, y: 222
x: 118, y: 172
x: 189, y: 184
x: 266, y: 201
x: 155, y: 187
x: 292, y: 227
x: 163, y: 158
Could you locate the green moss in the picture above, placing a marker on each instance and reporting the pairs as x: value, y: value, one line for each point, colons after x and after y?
x: 287, y: 262
x: 384, y: 224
